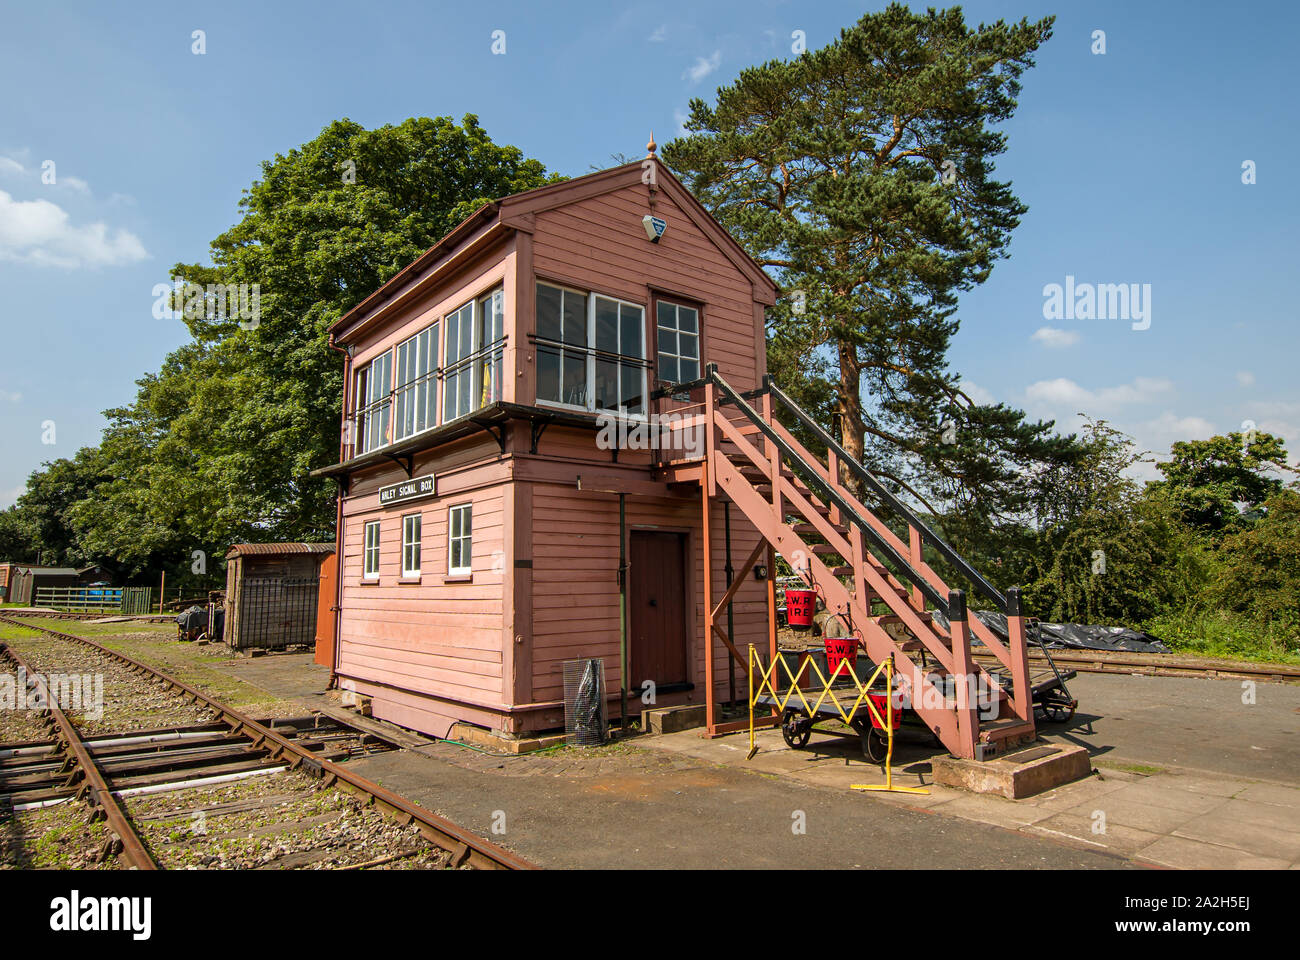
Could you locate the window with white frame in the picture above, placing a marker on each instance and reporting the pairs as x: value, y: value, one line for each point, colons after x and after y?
x: 374, y: 383
x: 460, y: 549
x: 472, y: 355
x: 679, y: 342
x: 411, y: 524
x: 561, y: 346
x: 490, y: 331
x: 416, y: 408
x: 591, y: 363
x: 370, y: 552
x: 457, y: 374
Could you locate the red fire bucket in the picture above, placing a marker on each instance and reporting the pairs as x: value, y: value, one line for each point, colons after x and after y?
x: 839, y: 649
x: 800, y: 605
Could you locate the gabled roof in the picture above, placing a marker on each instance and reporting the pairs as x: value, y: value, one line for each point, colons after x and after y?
x: 518, y: 210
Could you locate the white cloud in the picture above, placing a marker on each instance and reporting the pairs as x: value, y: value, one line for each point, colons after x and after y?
x: 40, y: 232
x: 11, y: 397
x: 1063, y: 392
x: 1245, y: 378
x: 1054, y: 338
x: 660, y: 33
x: 76, y: 183
x: 977, y: 393
x: 681, y: 116
x: 10, y: 496
x: 703, y: 67
x: 10, y: 165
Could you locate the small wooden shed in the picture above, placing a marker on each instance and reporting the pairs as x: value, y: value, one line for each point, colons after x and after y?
x: 26, y: 579
x: 272, y: 592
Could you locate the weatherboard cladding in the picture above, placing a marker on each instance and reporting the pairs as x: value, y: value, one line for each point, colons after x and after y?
x: 487, y: 649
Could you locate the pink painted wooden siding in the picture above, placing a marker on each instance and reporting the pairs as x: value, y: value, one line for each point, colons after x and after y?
x: 544, y: 585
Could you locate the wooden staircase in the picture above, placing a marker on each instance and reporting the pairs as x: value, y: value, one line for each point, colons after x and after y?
x: 865, y: 574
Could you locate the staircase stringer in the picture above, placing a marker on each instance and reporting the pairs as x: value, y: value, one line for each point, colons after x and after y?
x: 925, y: 696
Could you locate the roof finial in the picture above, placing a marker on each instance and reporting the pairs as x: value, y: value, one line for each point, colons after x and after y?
x: 651, y: 146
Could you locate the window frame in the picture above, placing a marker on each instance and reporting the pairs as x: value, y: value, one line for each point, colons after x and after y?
x: 366, y: 408
x: 472, y: 363
x: 408, y: 543
x: 366, y: 547
x: 585, y: 348
x: 466, y: 569
x: 589, y: 351
x: 678, y: 304
x: 429, y: 380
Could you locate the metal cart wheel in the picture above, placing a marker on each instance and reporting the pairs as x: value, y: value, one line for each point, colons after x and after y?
x: 794, y: 731
x: 1059, y: 713
x: 875, y: 746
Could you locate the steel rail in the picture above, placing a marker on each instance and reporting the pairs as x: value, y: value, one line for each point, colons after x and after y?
x: 464, y: 846
x: 101, y: 797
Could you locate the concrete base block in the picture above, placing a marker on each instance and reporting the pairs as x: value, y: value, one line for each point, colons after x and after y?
x: 494, y: 740
x: 672, y: 719
x: 1022, y: 773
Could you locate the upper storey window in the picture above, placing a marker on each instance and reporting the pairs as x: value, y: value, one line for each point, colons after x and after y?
x: 590, y: 351
x: 679, y: 342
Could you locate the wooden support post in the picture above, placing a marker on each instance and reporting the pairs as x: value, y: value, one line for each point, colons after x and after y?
x: 1024, y: 695
x: 710, y: 698
x: 914, y: 558
x: 963, y: 677
x: 771, y: 608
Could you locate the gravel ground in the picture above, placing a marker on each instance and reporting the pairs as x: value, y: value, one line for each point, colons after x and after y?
x: 280, y: 821
x: 130, y: 702
x: 54, y: 838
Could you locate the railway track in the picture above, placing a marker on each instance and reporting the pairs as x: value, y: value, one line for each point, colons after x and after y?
x: 226, y: 748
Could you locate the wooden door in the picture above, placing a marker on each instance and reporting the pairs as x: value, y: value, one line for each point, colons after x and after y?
x: 657, y: 621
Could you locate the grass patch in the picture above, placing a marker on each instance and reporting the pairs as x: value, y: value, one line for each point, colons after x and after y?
x: 1226, y: 636
x: 1145, y: 769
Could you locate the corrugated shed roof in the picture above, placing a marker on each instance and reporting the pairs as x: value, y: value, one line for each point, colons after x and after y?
x: 276, y: 549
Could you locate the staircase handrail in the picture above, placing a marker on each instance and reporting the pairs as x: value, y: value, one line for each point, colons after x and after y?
x: 927, y: 534
x: 830, y: 495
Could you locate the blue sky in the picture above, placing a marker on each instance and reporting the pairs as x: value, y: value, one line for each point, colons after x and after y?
x: 1130, y: 162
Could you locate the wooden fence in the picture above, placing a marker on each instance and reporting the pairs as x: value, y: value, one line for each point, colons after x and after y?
x: 126, y: 600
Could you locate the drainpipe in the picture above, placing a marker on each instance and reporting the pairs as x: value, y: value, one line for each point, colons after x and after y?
x: 338, y: 517
x: 622, y: 608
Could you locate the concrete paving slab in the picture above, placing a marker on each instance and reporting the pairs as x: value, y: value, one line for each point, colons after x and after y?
x: 1117, y: 837
x: 994, y: 810
x: 1272, y: 793
x: 1164, y: 793
x: 1253, y: 827
x: 1141, y: 816
x: 1187, y: 854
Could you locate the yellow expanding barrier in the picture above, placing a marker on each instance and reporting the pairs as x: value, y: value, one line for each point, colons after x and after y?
x: 767, y: 681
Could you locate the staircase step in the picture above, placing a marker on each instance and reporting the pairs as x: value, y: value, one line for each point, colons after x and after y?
x: 994, y: 730
x: 804, y: 529
x: 825, y: 550
x: 925, y: 616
